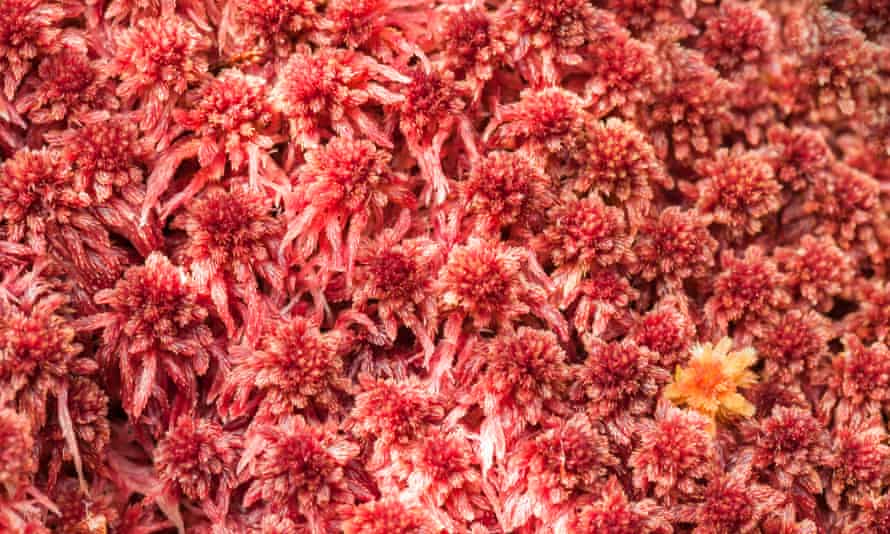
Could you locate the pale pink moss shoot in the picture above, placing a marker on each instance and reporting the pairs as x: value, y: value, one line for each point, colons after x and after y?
x: 439, y: 471
x: 746, y: 290
x: 791, y: 445
x: 66, y: 84
x: 230, y: 120
x: 34, y: 192
x: 668, y: 330
x: 739, y: 189
x: 197, y: 458
x: 29, y: 27
x: 88, y: 410
x: 155, y: 60
x: 793, y: 344
x: 388, y: 516
x: 393, y: 276
x: 860, y: 382
x: 859, y: 458
x: 486, y: 283
x: 675, y: 454
x: 818, y: 269
x: 507, y: 190
x: 322, y: 93
x: 342, y: 189
x: 294, y: 367
x: 19, y: 463
x: 271, y: 24
x: 872, y: 321
x: 583, y: 234
x: 231, y: 239
x: 545, y: 469
x: 675, y: 246
x: 738, y: 33
x: 557, y: 33
x: 39, y: 358
x: 621, y: 166
x: 614, y: 513
x: 155, y: 327
x: 473, y: 46
x: 297, y: 466
x: 428, y: 114
x: 515, y: 377
x: 105, y: 157
x: 732, y: 502
x: 618, y: 379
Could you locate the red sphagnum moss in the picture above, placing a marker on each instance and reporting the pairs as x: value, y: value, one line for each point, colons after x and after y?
x: 413, y: 266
